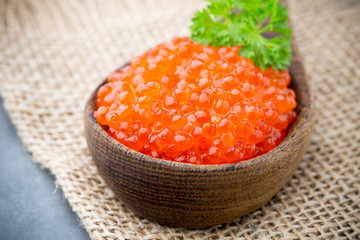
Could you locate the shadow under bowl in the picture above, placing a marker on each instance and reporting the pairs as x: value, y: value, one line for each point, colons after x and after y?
x: 199, y: 196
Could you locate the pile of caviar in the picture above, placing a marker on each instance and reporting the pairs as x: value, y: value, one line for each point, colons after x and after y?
x: 185, y: 102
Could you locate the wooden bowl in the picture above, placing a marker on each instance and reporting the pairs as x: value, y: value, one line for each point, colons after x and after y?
x: 198, y: 196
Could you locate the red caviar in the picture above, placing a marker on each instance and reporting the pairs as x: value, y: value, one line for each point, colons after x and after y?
x: 185, y: 102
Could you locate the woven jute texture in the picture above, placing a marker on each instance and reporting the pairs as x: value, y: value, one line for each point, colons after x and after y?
x: 54, y: 53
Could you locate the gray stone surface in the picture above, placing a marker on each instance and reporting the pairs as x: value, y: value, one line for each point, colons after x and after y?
x: 31, y: 207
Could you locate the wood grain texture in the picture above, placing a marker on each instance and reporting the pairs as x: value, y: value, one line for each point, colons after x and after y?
x: 199, y: 196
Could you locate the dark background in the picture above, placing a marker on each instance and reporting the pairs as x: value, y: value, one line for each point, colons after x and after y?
x: 31, y: 207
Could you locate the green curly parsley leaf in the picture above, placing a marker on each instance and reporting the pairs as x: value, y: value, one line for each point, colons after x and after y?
x: 246, y: 23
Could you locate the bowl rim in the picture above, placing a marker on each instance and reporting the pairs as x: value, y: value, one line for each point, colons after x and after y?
x: 304, y: 120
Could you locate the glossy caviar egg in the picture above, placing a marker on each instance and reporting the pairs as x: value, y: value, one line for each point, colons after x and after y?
x: 185, y: 102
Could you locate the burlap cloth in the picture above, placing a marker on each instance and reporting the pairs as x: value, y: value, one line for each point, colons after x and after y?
x: 54, y: 53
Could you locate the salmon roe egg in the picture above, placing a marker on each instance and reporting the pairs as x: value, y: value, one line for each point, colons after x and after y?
x: 185, y: 102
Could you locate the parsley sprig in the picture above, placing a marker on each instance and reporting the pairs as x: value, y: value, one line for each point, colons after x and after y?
x: 246, y: 23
